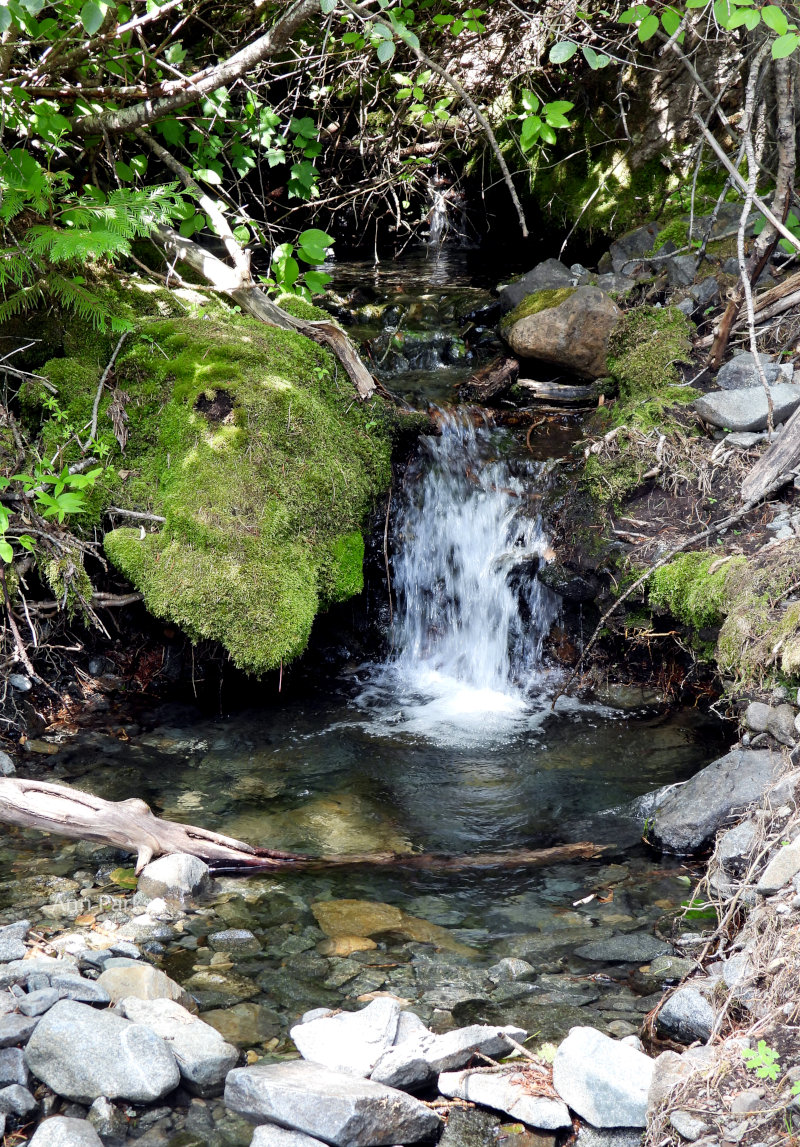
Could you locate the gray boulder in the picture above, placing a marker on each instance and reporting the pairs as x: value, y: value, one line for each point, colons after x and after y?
x: 686, y: 1016
x: 571, y: 333
x: 747, y: 409
x: 404, y: 1067
x: 602, y: 1080
x: 17, y: 1100
x: 546, y: 276
x: 12, y: 1067
x: 688, y: 1126
x: 349, y: 1041
x: 37, y: 1003
x: 62, y: 1132
x: 453, y: 1049
x: 82, y: 1054
x: 597, y: 1137
x: 204, y: 1058
x: 16, y: 1029
x: 689, y: 815
x: 782, y: 868
x: 110, y: 1123
x: 7, y: 766
x: 270, y: 1135
x: 627, y: 254
x: 503, y: 1093
x: 12, y: 938
x: 741, y: 373
x: 777, y: 720
x: 328, y: 1105
x: 176, y: 877
x: 681, y: 270
x: 733, y: 846
x: 633, y: 948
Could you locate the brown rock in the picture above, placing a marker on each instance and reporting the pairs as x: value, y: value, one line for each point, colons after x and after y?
x: 345, y: 945
x: 145, y: 983
x: 572, y: 334
x: 348, y: 918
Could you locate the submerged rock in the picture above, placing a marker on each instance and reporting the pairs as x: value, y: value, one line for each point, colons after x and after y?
x: 604, y: 1081
x: 567, y: 327
x: 371, y: 918
x: 632, y: 948
x: 688, y: 815
x: 328, y: 1105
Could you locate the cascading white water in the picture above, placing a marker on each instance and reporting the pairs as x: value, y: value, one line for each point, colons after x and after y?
x: 471, y: 615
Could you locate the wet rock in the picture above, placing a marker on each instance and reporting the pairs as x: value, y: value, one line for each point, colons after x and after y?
x: 203, y: 1056
x: 470, y: 1127
x: 328, y: 1105
x: 270, y: 1135
x: 510, y: 969
x: 782, y: 868
x: 343, y: 946
x: 689, y: 815
x: 631, y: 948
x: 219, y: 989
x: 777, y: 720
x: 568, y: 584
x: 733, y: 846
x: 604, y: 1081
x: 61, y: 1132
x: 747, y: 409
x: 17, y: 1100
x: 12, y: 937
x: 688, y: 1126
x: 352, y: 1042
x: 371, y: 918
x: 82, y: 1054
x: 7, y: 766
x: 142, y: 981
x: 237, y: 940
x: 503, y: 1094
x: 670, y: 969
x: 741, y: 373
x: 108, y: 1121
x: 572, y: 335
x: 16, y: 1029
x: 245, y: 1024
x: 546, y: 276
x: 686, y: 1016
x: 176, y: 877
x: 19, y: 682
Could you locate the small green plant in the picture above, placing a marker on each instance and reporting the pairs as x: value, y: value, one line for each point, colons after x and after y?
x: 698, y: 911
x: 540, y: 120
x: 312, y: 247
x: 764, y: 1061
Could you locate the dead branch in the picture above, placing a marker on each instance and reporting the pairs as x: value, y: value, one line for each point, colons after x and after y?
x: 782, y: 457
x: 131, y: 825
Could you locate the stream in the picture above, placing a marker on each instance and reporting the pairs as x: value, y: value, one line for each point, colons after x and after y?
x: 449, y: 744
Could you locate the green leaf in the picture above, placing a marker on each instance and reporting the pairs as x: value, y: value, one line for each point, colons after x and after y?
x: 785, y: 45
x: 313, y: 245
x: 670, y: 20
x: 648, y: 27
x: 775, y: 18
x: 723, y: 10
x: 547, y: 134
x: 385, y: 51
x: 562, y: 52
x: 530, y: 101
x: 27, y: 542
x: 5, y: 18
x: 327, y: 6
x: 92, y: 16
x: 123, y: 171
x: 6, y: 552
x: 241, y: 233
x: 317, y: 281
x: 123, y: 877
x: 208, y: 175
x: 590, y: 56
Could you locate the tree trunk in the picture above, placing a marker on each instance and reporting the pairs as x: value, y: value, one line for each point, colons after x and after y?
x: 131, y: 825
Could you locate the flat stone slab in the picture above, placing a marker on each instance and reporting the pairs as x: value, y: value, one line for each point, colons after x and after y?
x: 349, y: 1041
x: 747, y: 409
x: 513, y: 1093
x: 329, y: 1105
x: 603, y: 1080
x: 688, y: 816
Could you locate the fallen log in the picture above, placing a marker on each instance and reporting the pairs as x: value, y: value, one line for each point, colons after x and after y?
x: 560, y: 391
x: 491, y: 381
x: 130, y: 825
x: 782, y: 457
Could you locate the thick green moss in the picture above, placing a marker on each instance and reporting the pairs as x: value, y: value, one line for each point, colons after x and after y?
x: 693, y: 588
x: 643, y: 352
x: 243, y: 437
x: 536, y: 302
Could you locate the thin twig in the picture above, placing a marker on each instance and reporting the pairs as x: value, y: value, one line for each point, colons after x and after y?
x: 100, y: 386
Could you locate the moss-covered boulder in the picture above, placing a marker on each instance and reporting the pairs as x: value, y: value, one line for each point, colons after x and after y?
x: 568, y: 327
x: 251, y: 444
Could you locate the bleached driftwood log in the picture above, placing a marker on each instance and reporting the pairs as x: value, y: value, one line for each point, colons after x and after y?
x: 131, y: 825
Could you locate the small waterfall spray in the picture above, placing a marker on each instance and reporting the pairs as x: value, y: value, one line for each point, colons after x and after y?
x: 471, y: 615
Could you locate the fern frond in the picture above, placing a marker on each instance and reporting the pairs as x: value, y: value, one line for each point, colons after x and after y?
x: 128, y: 212
x: 15, y: 268
x: 81, y: 302
x: 21, y: 301
x: 60, y: 245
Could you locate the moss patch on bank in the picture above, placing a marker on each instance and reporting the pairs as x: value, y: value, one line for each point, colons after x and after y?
x: 644, y: 351
x: 250, y: 441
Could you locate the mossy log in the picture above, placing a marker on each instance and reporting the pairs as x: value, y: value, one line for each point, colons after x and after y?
x: 491, y: 381
x: 130, y: 825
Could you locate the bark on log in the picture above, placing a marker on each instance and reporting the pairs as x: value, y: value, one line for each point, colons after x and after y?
x: 131, y: 825
x: 559, y: 392
x: 491, y: 381
x: 782, y: 457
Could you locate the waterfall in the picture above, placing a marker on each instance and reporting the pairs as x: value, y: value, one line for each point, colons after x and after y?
x: 471, y: 615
